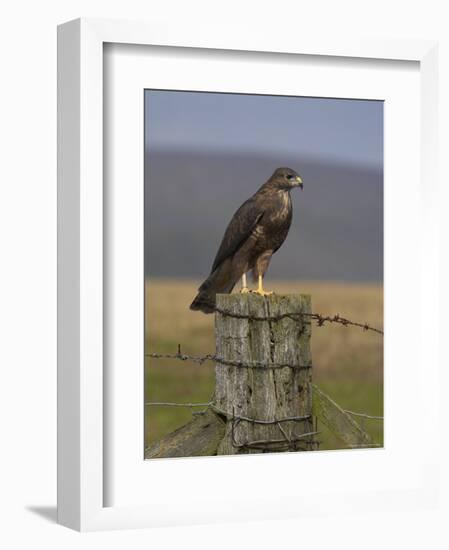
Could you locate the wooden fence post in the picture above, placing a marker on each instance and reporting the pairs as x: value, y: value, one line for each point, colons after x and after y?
x: 263, y: 373
x: 339, y: 422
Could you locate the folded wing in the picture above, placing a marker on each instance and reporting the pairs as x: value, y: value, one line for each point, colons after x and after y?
x: 239, y: 229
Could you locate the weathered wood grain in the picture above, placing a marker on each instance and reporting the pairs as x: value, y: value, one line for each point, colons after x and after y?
x: 199, y: 437
x: 338, y: 421
x: 263, y: 393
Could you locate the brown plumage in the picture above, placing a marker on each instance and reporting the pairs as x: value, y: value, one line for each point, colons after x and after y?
x: 255, y: 232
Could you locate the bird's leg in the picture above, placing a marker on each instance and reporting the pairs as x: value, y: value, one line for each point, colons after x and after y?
x: 244, y: 288
x: 260, y: 289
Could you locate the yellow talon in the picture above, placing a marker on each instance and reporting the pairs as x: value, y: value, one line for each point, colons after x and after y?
x: 262, y: 292
x: 260, y: 289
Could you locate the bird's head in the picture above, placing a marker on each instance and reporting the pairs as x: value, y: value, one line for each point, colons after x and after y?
x: 286, y: 178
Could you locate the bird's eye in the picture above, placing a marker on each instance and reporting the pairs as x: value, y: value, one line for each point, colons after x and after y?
x: 289, y: 176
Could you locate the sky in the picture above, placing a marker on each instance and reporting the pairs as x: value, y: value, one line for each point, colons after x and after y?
x: 206, y: 153
x: 348, y: 131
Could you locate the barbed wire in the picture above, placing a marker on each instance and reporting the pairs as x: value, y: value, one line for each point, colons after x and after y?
x: 259, y: 364
x: 182, y: 356
x: 320, y: 319
x: 226, y: 362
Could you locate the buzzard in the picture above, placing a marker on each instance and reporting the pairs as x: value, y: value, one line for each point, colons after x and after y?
x: 256, y: 231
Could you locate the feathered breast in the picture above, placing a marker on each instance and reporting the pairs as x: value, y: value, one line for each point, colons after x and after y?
x: 277, y: 220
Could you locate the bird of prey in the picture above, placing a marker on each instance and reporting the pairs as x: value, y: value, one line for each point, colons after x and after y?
x: 255, y: 232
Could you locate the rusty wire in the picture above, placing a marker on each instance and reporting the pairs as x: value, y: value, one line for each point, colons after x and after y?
x: 318, y: 317
x: 226, y: 362
x: 286, y: 443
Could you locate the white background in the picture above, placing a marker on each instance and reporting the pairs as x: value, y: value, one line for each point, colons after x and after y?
x: 132, y: 481
x: 28, y: 285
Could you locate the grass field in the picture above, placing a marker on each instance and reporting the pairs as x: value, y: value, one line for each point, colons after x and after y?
x: 347, y: 362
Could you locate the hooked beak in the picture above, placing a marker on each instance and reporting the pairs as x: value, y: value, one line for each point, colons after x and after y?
x: 299, y: 182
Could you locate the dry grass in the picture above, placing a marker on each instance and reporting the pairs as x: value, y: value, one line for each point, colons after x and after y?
x: 348, y: 362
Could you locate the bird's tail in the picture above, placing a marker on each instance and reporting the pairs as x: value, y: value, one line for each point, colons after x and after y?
x: 219, y: 281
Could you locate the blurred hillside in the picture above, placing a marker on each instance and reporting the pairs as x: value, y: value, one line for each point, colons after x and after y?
x: 337, y: 230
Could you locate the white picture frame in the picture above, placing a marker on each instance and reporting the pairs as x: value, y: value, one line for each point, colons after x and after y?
x: 82, y: 491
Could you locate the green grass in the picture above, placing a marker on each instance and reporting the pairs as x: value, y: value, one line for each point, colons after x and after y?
x: 167, y: 381
x: 356, y: 397
x: 193, y: 384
